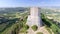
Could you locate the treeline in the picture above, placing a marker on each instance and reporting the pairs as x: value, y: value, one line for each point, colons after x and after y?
x: 7, y: 23
x: 50, y: 24
x: 14, y: 25
x: 13, y: 10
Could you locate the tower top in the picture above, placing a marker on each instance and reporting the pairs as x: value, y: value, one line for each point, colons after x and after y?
x: 34, y: 11
x: 34, y: 7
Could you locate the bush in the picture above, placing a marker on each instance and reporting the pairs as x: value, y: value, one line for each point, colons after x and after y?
x: 26, y: 27
x: 34, y: 27
x: 39, y: 33
x: 23, y: 30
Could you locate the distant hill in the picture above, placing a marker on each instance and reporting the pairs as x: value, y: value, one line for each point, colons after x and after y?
x: 12, y: 10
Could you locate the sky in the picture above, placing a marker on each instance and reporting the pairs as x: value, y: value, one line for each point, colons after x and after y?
x: 28, y: 3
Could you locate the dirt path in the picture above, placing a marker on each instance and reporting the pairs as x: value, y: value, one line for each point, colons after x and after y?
x: 41, y: 29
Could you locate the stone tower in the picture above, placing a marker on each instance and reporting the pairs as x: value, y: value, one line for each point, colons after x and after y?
x: 34, y: 17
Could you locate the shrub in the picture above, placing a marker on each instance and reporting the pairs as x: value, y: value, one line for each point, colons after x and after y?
x: 39, y: 33
x: 23, y: 30
x: 34, y: 27
x: 26, y: 27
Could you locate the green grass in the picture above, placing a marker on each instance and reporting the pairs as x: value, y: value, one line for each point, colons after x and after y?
x: 13, y: 27
x: 48, y: 29
x: 2, y: 26
x: 39, y: 33
x: 10, y: 29
x: 24, y: 29
x: 34, y: 27
x: 51, y: 25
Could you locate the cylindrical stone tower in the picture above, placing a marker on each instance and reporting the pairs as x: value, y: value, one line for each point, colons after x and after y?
x: 34, y: 17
